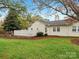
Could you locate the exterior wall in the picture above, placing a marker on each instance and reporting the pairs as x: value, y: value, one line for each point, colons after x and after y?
x: 64, y: 30
x: 71, y: 33
x: 40, y: 27
x: 35, y: 27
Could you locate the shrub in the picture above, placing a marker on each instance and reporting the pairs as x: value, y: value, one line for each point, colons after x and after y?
x: 45, y: 34
x: 39, y: 34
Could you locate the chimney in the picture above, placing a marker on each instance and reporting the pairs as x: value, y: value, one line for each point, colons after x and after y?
x: 56, y: 17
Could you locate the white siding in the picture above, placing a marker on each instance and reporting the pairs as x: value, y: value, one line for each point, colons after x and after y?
x: 64, y: 30
x: 71, y: 33
x: 40, y: 27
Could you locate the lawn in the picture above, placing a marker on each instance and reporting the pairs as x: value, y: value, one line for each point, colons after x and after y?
x: 52, y: 48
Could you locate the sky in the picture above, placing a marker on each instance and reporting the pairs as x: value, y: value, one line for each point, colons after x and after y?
x: 44, y: 13
x: 32, y: 9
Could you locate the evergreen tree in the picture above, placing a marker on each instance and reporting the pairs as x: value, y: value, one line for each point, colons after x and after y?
x: 12, y: 23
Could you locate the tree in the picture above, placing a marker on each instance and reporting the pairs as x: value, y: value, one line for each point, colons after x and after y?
x: 16, y: 5
x: 23, y: 22
x: 16, y: 8
x: 65, y: 7
x: 28, y: 20
x: 12, y: 23
x: 12, y: 4
x: 35, y: 18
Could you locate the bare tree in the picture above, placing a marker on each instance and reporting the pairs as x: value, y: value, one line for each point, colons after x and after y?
x: 65, y: 7
x: 16, y: 5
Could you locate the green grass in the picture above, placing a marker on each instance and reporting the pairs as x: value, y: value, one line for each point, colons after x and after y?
x: 52, y: 48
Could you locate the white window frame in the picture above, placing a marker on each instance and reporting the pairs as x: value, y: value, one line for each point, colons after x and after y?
x: 74, y: 28
x: 58, y: 29
x: 54, y: 29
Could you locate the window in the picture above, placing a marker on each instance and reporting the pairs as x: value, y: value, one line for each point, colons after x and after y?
x: 31, y: 28
x: 58, y: 29
x: 74, y: 28
x: 54, y: 29
x: 45, y: 29
x: 37, y: 28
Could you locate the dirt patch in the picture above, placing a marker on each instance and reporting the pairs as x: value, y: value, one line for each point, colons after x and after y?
x: 75, y: 41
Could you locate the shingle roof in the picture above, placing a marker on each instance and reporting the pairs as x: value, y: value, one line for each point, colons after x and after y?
x: 65, y: 22
x: 59, y: 22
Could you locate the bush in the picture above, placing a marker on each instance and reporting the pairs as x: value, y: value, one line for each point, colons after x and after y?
x: 45, y: 34
x: 40, y: 34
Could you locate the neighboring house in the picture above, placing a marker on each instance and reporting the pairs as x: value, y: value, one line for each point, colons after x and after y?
x: 68, y: 27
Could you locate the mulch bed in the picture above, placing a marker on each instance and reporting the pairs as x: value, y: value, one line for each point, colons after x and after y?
x: 8, y: 36
x: 25, y: 37
x: 31, y: 38
x: 75, y: 41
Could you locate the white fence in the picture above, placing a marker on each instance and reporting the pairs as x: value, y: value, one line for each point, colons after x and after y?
x: 24, y: 33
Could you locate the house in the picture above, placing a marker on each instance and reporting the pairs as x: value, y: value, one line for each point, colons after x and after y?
x: 67, y: 27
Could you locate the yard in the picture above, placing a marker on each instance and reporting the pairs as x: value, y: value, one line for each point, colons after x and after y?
x: 51, y: 48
